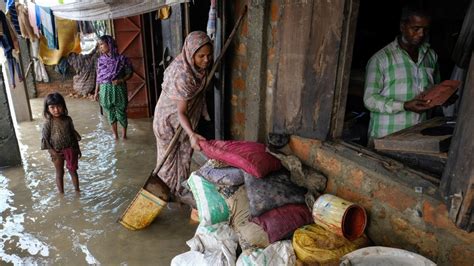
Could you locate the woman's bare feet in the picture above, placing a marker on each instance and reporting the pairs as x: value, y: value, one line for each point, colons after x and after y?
x: 124, y: 133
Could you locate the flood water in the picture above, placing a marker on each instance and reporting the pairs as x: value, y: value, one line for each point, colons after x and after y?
x: 39, y: 226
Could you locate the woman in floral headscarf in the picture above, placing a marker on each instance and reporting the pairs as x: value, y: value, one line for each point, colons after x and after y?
x: 113, y: 70
x: 182, y: 88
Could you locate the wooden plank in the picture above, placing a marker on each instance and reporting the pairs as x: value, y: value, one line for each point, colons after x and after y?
x: 457, y: 183
x: 433, y: 163
x: 411, y: 139
x: 465, y: 43
x: 344, y: 67
x: 307, y: 67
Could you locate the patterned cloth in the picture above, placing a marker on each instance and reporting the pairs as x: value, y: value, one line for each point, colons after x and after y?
x: 59, y: 133
x: 111, y: 67
x: 84, y: 65
x: 212, y: 20
x: 392, y: 79
x: 182, y: 82
x: 113, y: 98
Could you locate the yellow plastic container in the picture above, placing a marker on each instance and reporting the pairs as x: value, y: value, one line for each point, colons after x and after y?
x: 142, y: 211
x: 340, y: 216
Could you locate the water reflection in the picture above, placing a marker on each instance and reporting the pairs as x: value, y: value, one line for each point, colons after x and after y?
x: 39, y: 226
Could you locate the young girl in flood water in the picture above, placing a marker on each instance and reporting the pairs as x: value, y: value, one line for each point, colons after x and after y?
x: 60, y: 139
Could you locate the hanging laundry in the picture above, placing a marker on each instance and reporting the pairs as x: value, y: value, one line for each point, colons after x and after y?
x: 212, y: 20
x: 25, y: 26
x: 163, y: 13
x: 48, y: 27
x: 40, y: 71
x: 85, y: 27
x: 9, y: 42
x: 11, y: 12
x: 100, y: 27
x: 32, y: 18
x: 85, y: 67
x: 68, y: 39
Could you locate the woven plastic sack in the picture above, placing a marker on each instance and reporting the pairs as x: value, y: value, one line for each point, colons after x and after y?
x: 250, y: 234
x: 315, y: 245
x: 246, y: 155
x: 211, y: 206
x: 223, y: 176
x: 280, y: 253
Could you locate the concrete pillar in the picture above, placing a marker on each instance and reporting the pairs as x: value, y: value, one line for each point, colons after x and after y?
x: 256, y: 74
x: 18, y: 96
x: 9, y: 150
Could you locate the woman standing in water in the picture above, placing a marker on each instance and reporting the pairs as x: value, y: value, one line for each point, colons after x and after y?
x: 182, y: 88
x: 113, y: 70
x: 60, y: 139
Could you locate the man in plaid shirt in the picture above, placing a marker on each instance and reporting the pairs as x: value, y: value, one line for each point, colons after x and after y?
x: 398, y: 75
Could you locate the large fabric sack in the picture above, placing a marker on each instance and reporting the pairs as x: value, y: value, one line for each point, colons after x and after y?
x: 214, y: 245
x: 211, y: 206
x: 222, y: 176
x: 271, y: 192
x: 315, y: 245
x: 250, y: 234
x: 281, y: 222
x: 246, y: 155
x: 280, y: 253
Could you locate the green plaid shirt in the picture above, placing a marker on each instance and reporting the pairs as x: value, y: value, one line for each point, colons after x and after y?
x: 392, y: 79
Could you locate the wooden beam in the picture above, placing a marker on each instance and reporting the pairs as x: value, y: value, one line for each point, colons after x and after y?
x: 351, y: 12
x: 457, y: 183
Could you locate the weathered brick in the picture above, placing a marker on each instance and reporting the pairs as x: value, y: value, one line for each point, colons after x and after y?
x: 436, y: 216
x: 234, y: 100
x: 331, y: 165
x: 425, y: 243
x: 301, y: 147
x: 244, y: 32
x: 461, y: 255
x: 395, y: 197
x: 241, y: 49
x: 238, y: 84
x: 239, y: 118
x: 357, y: 177
x: 355, y: 197
x: 275, y: 11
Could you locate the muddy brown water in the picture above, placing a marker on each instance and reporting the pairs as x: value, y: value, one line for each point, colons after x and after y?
x: 38, y: 226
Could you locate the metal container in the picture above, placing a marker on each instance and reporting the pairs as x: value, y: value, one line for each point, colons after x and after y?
x: 340, y: 216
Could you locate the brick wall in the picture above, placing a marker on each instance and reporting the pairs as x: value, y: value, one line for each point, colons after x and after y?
x: 56, y: 83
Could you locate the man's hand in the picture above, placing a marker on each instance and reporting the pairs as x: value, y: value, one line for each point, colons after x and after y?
x: 96, y: 97
x: 416, y: 105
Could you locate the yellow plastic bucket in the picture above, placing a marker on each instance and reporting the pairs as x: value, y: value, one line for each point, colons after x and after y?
x: 340, y: 216
x: 142, y: 211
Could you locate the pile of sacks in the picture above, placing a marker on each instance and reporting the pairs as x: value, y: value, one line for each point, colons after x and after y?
x: 252, y: 212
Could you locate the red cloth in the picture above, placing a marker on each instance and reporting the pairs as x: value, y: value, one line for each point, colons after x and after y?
x: 72, y: 158
x: 246, y: 155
